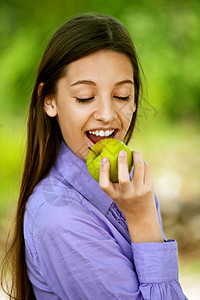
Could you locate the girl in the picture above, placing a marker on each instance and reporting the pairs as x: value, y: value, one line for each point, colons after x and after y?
x: 76, y: 238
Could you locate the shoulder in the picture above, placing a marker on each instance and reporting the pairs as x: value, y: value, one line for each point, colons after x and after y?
x: 52, y: 191
x: 55, y: 205
x: 52, y: 204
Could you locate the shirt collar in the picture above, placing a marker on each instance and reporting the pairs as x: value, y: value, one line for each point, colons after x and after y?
x: 74, y: 170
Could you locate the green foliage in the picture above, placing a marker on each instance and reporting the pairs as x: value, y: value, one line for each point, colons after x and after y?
x: 12, y: 152
x: 168, y: 36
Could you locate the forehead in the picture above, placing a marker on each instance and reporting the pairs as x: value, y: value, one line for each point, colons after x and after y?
x: 102, y: 62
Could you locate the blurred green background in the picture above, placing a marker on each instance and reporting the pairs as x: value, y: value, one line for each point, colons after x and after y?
x: 166, y: 36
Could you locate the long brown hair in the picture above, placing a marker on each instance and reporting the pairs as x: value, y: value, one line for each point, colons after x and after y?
x: 78, y: 37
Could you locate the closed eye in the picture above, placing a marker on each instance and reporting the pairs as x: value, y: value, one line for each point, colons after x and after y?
x: 122, y: 98
x: 80, y: 100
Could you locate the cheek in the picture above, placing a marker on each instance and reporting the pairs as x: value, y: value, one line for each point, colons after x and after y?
x: 126, y: 111
x: 72, y: 118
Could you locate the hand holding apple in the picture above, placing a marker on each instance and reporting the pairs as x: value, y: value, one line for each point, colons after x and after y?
x: 109, y: 148
x: 134, y: 197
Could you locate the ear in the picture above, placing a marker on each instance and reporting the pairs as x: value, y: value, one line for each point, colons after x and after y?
x: 50, y: 106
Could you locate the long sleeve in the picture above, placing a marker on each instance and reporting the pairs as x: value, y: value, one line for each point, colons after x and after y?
x: 157, y: 270
x: 81, y: 260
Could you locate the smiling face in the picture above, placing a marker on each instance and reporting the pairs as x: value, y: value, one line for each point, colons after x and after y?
x: 94, y: 100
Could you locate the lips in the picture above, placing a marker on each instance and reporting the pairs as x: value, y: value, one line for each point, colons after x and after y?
x: 93, y: 139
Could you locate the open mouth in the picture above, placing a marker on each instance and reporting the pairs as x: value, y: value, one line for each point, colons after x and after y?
x: 94, y: 138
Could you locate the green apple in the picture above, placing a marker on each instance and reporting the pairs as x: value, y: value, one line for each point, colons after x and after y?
x: 109, y: 148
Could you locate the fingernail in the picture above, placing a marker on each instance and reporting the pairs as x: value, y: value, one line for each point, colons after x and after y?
x: 104, y: 160
x: 122, y: 153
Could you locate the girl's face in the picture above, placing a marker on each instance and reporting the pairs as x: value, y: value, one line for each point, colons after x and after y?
x: 94, y: 99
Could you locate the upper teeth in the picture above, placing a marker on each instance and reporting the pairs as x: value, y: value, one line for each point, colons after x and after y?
x: 102, y: 132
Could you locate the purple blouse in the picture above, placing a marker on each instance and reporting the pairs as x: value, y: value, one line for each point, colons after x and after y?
x: 78, y: 245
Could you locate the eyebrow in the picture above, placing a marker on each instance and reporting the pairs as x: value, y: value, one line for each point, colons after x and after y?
x: 89, y: 82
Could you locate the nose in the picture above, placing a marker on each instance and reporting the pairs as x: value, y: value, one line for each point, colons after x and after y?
x: 105, y: 110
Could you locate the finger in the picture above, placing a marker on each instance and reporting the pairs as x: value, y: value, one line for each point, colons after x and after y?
x: 104, y: 176
x: 147, y: 175
x: 138, y: 172
x: 123, y: 172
